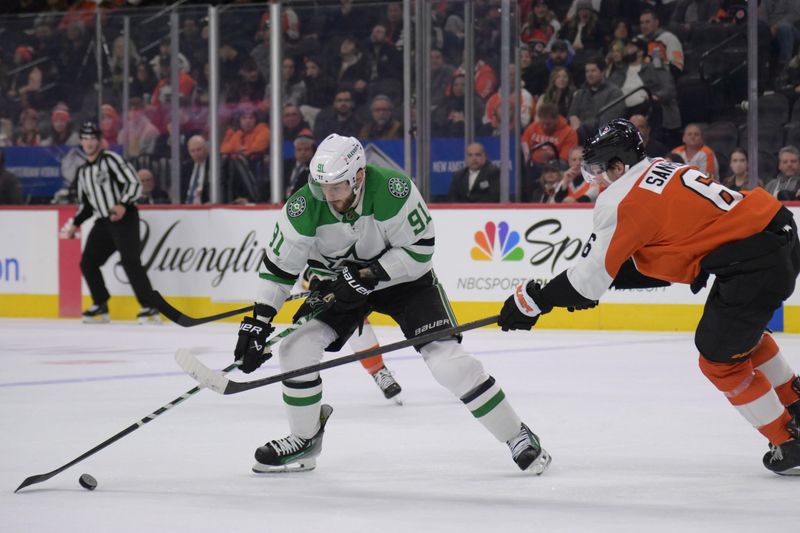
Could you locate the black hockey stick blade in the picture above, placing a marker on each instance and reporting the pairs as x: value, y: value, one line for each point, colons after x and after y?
x: 32, y: 480
x: 221, y: 384
x: 186, y: 321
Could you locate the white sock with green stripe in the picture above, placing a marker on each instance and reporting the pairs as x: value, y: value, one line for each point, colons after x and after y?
x: 487, y: 402
x: 303, y: 400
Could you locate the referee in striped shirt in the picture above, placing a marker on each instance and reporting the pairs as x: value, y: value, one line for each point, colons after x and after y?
x: 108, y: 188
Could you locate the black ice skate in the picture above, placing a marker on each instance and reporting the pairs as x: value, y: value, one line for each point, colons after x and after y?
x: 527, y: 452
x: 390, y: 388
x: 785, y: 459
x: 96, y: 314
x: 292, y: 453
x: 148, y: 315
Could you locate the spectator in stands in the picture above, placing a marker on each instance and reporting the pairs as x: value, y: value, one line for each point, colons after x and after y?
x: 162, y: 91
x: 139, y: 136
x: 144, y: 83
x: 384, y: 61
x: 583, y: 32
x: 526, y: 66
x: 116, y: 63
x: 293, y: 87
x: 548, y: 187
x: 550, y: 127
x: 26, y: 82
x: 151, y: 192
x: 738, y: 179
x: 782, y: 17
x: 292, y: 121
x: 296, y: 170
x: 448, y: 118
x: 320, y: 87
x: 441, y: 75
x: 560, y: 90
x: 338, y: 118
x: 251, y: 85
x: 540, y: 29
x: 393, y: 20
x: 661, y: 95
x: 664, y: 48
x: 109, y: 125
x: 687, y: 13
x: 382, y: 125
x: 587, y: 111
x: 160, y: 67
x: 195, y: 174
x: 786, y: 185
x: 528, y: 108
x: 559, y: 56
x: 349, y: 19
x: 10, y: 188
x: 478, y: 181
x: 695, y: 152
x: 243, y: 150
x: 652, y: 147
x: 675, y: 158
x: 349, y: 68
x: 29, y: 128
x: 619, y: 37
x: 61, y: 126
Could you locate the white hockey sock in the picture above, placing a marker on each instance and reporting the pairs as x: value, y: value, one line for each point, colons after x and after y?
x: 487, y: 402
x: 303, y: 400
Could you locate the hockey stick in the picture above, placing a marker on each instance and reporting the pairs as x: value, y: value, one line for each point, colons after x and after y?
x: 186, y: 321
x: 217, y: 381
x: 161, y: 410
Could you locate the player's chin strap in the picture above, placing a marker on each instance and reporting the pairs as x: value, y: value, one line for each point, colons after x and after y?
x: 218, y: 382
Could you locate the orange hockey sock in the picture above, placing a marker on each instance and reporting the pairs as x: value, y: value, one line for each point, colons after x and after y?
x: 751, y: 393
x: 374, y: 363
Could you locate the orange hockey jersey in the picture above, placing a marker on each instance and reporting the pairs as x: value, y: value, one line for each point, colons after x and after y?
x: 667, y: 217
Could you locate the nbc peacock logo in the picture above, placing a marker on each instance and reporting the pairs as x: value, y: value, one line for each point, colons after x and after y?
x: 496, y: 241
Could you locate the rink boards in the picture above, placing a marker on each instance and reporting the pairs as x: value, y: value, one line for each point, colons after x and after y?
x: 205, y: 259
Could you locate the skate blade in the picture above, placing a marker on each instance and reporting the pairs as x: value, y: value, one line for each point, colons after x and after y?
x: 301, y: 466
x: 791, y: 472
x: 540, y: 464
x: 102, y: 319
x: 398, y: 399
x: 156, y: 319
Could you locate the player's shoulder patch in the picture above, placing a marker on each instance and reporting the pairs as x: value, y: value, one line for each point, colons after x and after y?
x: 296, y: 206
x: 656, y: 178
x: 398, y: 186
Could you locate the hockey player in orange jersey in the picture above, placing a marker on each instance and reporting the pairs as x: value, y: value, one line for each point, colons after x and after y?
x: 660, y: 222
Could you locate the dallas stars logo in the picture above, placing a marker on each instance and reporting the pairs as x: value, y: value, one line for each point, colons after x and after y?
x: 349, y: 255
x: 398, y: 187
x: 296, y: 207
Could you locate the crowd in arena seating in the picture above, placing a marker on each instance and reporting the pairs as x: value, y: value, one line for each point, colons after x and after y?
x: 676, y: 68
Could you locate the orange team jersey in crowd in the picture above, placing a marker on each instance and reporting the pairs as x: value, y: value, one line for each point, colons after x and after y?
x: 248, y: 143
x: 667, y: 217
x: 564, y: 137
x: 704, y: 159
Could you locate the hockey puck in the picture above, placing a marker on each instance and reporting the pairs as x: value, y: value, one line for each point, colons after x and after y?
x: 87, y: 481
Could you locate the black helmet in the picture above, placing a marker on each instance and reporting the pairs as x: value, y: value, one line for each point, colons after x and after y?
x: 90, y: 128
x: 617, y: 140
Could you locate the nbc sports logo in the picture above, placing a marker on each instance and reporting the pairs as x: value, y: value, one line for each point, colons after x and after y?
x: 496, y: 242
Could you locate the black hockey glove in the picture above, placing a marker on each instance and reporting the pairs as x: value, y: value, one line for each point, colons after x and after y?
x: 520, y: 311
x: 249, y: 350
x: 320, y: 297
x: 350, y: 289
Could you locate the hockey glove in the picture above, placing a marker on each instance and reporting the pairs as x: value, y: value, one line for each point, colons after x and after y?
x: 249, y: 352
x: 520, y: 311
x: 318, y: 299
x: 350, y: 289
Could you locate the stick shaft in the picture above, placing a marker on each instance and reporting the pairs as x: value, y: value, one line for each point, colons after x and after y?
x: 234, y: 387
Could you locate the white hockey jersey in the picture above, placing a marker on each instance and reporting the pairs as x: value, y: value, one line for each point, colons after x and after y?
x: 390, y: 224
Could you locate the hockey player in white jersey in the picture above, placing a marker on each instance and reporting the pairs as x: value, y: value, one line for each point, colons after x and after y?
x: 368, y: 229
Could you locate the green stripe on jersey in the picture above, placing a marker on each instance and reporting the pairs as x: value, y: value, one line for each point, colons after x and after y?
x: 488, y: 406
x: 302, y: 402
x: 419, y: 258
x: 276, y: 279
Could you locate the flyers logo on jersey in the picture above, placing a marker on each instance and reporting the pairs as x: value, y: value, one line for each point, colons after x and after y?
x: 656, y: 179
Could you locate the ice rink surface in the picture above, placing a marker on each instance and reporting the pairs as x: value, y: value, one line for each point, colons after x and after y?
x: 641, y: 442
